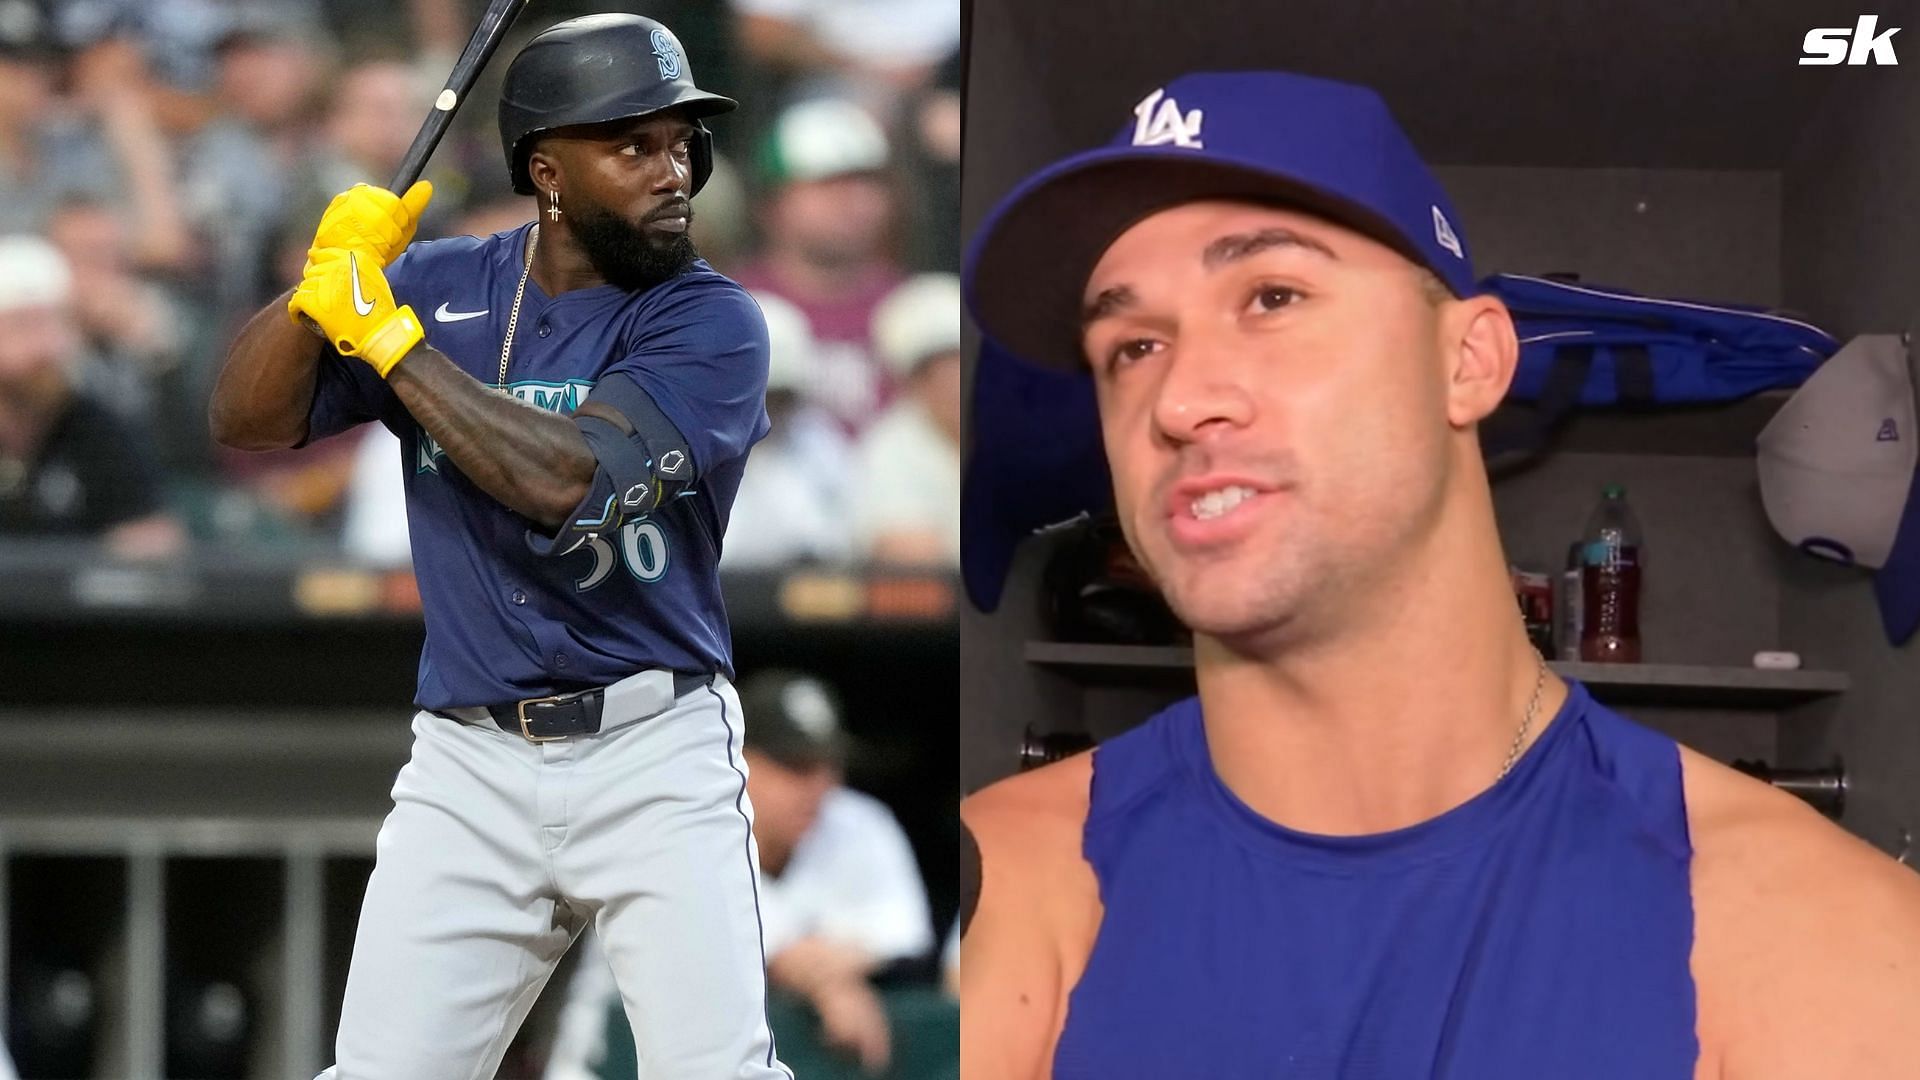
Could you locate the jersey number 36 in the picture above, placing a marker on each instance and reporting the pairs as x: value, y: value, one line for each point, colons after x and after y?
x: 643, y: 547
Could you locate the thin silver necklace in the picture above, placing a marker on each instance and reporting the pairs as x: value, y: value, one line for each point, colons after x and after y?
x: 513, y: 317
x: 1526, y: 725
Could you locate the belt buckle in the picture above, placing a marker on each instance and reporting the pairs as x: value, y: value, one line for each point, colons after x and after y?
x: 521, y: 708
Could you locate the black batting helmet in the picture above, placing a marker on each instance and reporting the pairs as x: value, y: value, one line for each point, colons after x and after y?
x: 598, y: 68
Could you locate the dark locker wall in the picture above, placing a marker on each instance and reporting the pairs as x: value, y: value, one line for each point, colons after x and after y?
x: 1852, y: 243
x: 1711, y: 233
x: 1851, y: 193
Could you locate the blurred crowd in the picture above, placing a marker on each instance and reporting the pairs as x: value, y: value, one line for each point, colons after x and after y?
x: 163, y: 164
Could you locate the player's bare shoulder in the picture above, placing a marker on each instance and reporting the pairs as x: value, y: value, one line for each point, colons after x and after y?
x: 1028, y: 826
x: 1029, y: 933
x: 1806, y: 940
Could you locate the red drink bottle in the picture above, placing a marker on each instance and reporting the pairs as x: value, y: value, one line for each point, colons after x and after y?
x: 1612, y: 553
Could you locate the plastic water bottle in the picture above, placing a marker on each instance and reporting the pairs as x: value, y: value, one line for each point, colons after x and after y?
x: 1612, y: 554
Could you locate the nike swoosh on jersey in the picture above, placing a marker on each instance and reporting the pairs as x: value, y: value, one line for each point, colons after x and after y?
x: 361, y: 304
x: 443, y: 314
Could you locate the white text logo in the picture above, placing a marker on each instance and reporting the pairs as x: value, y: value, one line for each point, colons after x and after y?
x: 1159, y: 123
x: 1444, y: 236
x: 1828, y: 45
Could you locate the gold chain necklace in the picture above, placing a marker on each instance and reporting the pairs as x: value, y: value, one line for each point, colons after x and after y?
x: 513, y: 317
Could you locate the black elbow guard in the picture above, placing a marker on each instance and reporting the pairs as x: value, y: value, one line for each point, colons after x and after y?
x: 635, y: 474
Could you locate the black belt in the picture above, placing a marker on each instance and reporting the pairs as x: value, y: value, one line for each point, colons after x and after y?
x: 576, y: 713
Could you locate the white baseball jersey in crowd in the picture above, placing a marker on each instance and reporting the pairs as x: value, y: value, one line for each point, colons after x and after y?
x: 851, y: 879
x: 909, y: 474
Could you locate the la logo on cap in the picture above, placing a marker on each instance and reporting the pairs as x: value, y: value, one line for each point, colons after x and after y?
x: 1157, y: 122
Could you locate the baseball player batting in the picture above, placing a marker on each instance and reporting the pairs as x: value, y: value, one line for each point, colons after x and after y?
x: 575, y: 401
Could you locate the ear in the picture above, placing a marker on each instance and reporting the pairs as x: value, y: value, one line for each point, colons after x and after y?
x: 545, y: 171
x: 1483, y: 351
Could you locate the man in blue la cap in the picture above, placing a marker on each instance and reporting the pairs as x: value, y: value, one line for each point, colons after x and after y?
x: 1384, y: 841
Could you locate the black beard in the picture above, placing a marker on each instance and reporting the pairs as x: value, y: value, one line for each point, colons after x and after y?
x: 627, y: 255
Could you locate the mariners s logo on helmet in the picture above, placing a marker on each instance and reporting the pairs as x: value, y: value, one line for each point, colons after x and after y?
x: 668, y: 55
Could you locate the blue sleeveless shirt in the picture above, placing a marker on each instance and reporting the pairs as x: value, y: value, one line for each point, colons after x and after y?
x: 1540, y: 931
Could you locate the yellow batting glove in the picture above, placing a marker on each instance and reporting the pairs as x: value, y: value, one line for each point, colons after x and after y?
x: 373, y: 221
x: 348, y: 298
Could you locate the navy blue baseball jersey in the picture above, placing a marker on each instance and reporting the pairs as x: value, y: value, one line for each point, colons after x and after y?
x: 502, y: 621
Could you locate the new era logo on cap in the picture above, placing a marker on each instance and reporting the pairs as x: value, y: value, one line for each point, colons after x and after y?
x: 1443, y: 234
x: 1889, y: 431
x: 1158, y: 122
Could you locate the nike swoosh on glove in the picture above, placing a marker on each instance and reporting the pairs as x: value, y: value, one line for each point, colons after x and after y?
x: 348, y: 298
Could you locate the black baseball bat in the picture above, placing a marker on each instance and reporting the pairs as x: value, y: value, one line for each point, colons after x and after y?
x: 494, y: 24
